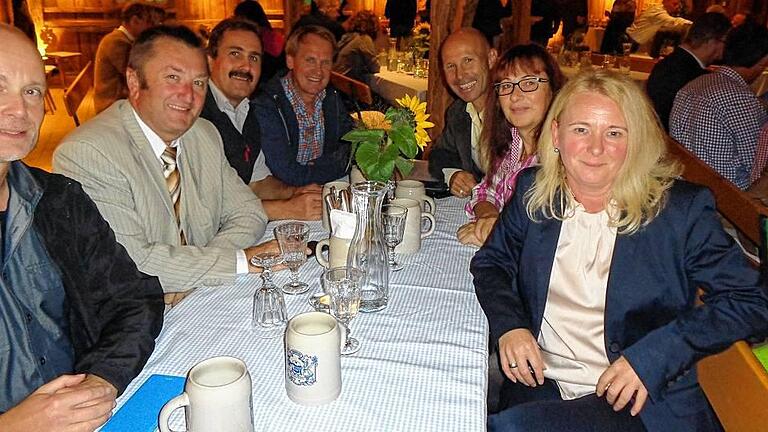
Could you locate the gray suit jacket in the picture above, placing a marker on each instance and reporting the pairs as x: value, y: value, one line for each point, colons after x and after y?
x: 114, y: 161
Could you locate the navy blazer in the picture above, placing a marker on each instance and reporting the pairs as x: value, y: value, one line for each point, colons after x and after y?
x: 650, y: 314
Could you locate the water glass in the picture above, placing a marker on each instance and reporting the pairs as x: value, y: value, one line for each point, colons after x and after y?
x: 269, y: 313
x: 393, y: 223
x: 342, y: 284
x: 624, y: 65
x: 627, y: 48
x: 292, y: 238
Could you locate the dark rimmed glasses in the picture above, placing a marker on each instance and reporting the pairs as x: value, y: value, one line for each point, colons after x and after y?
x: 526, y: 85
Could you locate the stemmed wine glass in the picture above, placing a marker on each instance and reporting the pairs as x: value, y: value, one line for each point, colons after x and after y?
x: 269, y: 313
x: 393, y: 221
x: 292, y: 238
x: 342, y: 284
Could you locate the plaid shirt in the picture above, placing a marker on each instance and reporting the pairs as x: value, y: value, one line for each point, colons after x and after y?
x: 498, y: 189
x: 311, y: 130
x: 761, y: 155
x: 718, y: 118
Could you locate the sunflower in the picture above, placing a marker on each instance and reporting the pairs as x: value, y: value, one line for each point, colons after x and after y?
x: 420, y: 116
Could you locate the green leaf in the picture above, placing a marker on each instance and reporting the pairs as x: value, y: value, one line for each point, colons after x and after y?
x: 405, y: 139
x: 382, y: 171
x: 376, y: 164
x: 359, y: 135
x: 403, y: 165
x: 366, y: 155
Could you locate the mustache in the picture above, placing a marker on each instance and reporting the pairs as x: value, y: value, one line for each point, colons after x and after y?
x: 241, y: 74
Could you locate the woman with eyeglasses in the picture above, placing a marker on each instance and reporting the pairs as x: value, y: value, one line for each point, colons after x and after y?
x: 526, y: 78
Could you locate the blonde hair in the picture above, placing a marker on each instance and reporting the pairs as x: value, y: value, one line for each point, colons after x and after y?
x: 641, y: 183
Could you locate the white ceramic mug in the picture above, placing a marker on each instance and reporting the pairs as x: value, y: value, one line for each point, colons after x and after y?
x: 326, y: 190
x: 313, y: 358
x: 414, y: 226
x: 337, y: 251
x: 216, y: 398
x: 415, y: 190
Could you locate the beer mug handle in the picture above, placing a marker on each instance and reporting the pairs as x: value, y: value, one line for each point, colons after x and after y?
x: 179, y: 401
x: 431, y: 229
x: 429, y: 203
x: 324, y: 243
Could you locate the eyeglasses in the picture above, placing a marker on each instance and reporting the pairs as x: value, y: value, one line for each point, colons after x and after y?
x: 526, y: 85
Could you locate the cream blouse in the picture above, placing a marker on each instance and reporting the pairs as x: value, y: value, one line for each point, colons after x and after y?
x: 572, y: 337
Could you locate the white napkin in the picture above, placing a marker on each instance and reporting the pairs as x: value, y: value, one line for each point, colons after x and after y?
x: 343, y: 224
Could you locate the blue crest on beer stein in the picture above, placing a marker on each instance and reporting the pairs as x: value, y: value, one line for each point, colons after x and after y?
x: 301, y: 368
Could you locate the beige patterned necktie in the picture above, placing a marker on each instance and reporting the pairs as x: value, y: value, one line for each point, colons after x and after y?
x: 172, y: 181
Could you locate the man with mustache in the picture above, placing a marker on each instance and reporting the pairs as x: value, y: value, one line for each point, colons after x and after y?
x: 234, y: 58
x: 302, y: 117
x: 466, y: 59
x: 77, y: 319
x: 159, y: 175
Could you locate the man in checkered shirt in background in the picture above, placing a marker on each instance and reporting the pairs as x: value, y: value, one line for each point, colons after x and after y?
x: 717, y: 116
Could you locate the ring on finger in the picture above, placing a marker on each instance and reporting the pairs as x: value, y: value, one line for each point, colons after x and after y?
x: 512, y: 365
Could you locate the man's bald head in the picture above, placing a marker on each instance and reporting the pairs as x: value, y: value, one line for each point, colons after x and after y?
x: 467, y: 36
x: 466, y: 59
x: 22, y: 78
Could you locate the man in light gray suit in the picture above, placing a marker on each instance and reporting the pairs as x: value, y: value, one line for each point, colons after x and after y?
x: 193, y: 231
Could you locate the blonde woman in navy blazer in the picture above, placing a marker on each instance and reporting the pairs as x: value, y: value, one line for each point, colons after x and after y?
x: 601, y: 150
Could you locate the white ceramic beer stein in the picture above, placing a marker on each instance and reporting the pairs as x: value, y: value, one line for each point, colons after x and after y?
x: 313, y: 358
x: 337, y: 185
x: 415, y: 229
x: 414, y: 189
x: 216, y: 398
x: 342, y: 230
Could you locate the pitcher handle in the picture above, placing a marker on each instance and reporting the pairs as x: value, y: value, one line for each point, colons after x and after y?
x: 179, y: 401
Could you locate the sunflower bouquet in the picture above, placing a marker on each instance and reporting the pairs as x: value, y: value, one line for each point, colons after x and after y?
x: 421, y: 34
x: 384, y: 142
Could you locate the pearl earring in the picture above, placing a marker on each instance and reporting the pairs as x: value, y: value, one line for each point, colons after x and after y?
x: 557, y: 150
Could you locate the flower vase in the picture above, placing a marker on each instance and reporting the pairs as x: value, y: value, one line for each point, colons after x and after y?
x: 367, y: 250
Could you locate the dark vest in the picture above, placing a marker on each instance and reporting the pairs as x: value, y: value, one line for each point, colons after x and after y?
x: 241, y: 149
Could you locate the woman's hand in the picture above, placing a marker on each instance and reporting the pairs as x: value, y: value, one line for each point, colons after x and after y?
x: 520, y: 357
x: 466, y: 235
x: 484, y: 226
x: 620, y: 384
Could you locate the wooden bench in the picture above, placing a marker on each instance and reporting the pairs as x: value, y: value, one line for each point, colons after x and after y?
x: 75, y: 93
x: 734, y: 381
x: 358, y: 91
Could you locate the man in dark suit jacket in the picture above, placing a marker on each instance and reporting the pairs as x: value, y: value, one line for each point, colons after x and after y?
x: 466, y: 60
x: 235, y: 57
x: 702, y: 46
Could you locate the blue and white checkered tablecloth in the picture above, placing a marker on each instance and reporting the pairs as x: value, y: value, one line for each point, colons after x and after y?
x: 422, y: 363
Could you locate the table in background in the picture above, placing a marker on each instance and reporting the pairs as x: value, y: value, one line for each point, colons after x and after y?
x: 394, y: 85
x: 61, y: 57
x: 423, y: 361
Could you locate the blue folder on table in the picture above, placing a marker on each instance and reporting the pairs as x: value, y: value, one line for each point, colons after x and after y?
x: 139, y: 413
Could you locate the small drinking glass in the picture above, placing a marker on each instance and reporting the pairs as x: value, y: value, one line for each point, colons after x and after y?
x: 292, y: 238
x: 393, y: 222
x: 269, y: 313
x: 342, y: 284
x: 626, y: 47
